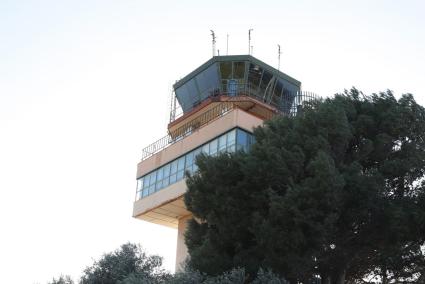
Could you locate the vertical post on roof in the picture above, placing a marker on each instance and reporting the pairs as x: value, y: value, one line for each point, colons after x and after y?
x: 249, y: 41
x: 227, y: 45
x: 278, y: 56
x: 213, y: 42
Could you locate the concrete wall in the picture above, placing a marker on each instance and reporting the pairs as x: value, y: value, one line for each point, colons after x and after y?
x: 230, y: 120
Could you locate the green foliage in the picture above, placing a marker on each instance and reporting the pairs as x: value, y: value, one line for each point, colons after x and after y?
x: 62, y: 280
x: 234, y: 276
x: 337, y: 192
x: 127, y: 265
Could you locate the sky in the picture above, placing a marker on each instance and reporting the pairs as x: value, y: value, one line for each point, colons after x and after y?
x: 85, y: 85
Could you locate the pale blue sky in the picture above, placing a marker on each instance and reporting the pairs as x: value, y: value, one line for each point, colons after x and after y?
x: 85, y: 85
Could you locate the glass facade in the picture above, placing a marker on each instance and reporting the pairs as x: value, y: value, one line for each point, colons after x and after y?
x: 172, y: 172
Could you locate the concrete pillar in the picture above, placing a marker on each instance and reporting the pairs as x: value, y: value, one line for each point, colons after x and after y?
x: 181, y: 252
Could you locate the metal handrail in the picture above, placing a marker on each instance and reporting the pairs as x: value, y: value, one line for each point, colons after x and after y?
x: 288, y: 104
x: 187, y: 129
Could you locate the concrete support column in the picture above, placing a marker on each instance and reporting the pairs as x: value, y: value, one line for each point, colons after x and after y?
x: 181, y: 252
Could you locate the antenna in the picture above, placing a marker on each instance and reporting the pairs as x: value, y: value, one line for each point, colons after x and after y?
x: 227, y: 45
x: 249, y: 41
x: 213, y: 42
x: 278, y: 56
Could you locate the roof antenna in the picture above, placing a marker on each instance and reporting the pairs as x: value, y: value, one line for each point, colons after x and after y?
x: 278, y: 56
x: 249, y: 41
x: 227, y: 45
x: 213, y: 42
x: 218, y: 52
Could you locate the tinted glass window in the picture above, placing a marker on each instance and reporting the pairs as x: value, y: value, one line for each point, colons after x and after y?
x: 208, y: 81
x: 226, y: 70
x: 254, y: 75
x: 238, y: 70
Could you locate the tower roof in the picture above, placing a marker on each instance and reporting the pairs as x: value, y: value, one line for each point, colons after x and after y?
x: 234, y: 75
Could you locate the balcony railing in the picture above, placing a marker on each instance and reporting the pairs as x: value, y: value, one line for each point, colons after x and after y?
x: 287, y: 103
x: 187, y: 129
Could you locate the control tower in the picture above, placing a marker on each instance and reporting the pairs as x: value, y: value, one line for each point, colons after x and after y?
x: 214, y: 110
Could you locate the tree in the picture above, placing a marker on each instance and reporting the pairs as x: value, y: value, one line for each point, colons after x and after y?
x: 127, y: 265
x: 62, y: 280
x: 337, y: 192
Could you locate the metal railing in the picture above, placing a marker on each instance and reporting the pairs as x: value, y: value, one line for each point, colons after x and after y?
x: 288, y: 103
x: 187, y: 129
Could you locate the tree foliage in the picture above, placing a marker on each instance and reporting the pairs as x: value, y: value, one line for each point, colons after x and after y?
x: 337, y: 192
x: 127, y: 265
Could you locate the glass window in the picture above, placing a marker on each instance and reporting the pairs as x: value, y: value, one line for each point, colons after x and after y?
x: 158, y: 185
x: 172, y: 172
x: 152, y: 179
x: 206, y: 149
x: 146, y: 182
x: 231, y: 137
x: 180, y: 164
x: 173, y: 167
x: 151, y: 189
x: 267, y: 76
x: 173, y: 178
x: 254, y: 75
x: 166, y: 171
x: 139, y: 184
x: 208, y: 81
x: 241, y: 140
x: 189, y: 160
x: 213, y: 147
x: 238, y: 70
x: 222, y: 143
x: 159, y: 174
x: 226, y: 70
x: 166, y: 181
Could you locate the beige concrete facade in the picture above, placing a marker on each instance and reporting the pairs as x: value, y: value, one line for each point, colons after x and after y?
x: 166, y: 206
x: 234, y: 118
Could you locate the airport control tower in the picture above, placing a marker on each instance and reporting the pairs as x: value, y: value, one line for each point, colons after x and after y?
x: 214, y: 109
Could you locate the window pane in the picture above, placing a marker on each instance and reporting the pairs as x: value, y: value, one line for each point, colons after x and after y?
x: 231, y: 148
x: 146, y: 181
x: 180, y: 164
x: 242, y: 139
x: 152, y: 179
x: 254, y: 75
x: 145, y: 192
x: 231, y: 137
x: 213, y: 147
x: 166, y: 171
x: 139, y: 184
x: 208, y: 81
x: 165, y: 181
x: 173, y: 178
x: 151, y: 189
x: 189, y: 160
x: 222, y: 143
x: 238, y: 70
x: 180, y: 175
x: 206, y: 149
x: 158, y: 185
x: 267, y: 76
x: 174, y: 167
x: 159, y: 174
x: 226, y: 70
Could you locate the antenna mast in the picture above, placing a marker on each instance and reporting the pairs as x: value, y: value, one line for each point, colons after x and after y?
x: 213, y: 42
x: 278, y: 56
x: 249, y: 41
x: 227, y: 45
